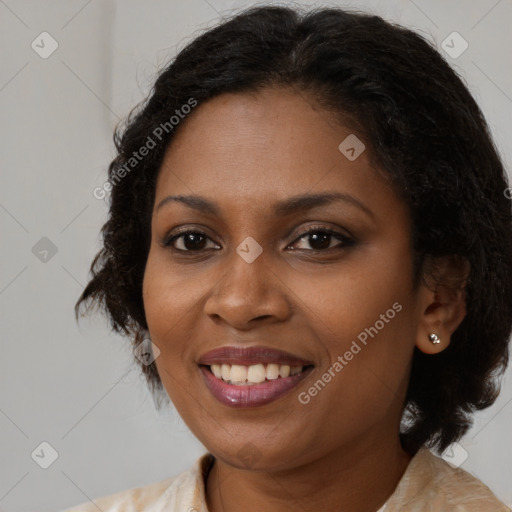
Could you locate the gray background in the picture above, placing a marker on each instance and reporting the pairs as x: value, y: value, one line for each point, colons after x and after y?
x: 73, y: 386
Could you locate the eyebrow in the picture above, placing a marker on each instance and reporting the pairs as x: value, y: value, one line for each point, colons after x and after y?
x: 281, y: 208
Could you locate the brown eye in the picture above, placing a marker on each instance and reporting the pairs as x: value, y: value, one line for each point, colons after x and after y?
x: 189, y: 241
x: 322, y: 240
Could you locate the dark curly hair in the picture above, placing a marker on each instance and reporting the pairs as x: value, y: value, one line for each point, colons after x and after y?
x: 421, y: 126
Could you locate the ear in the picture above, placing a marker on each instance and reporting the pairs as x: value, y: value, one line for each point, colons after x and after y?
x: 442, y: 301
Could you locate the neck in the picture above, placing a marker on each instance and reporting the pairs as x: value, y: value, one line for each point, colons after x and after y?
x: 359, y: 479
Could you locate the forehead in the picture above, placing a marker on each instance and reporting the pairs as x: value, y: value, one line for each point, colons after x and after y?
x: 249, y: 149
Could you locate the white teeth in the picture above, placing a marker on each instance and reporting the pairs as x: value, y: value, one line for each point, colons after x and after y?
x: 284, y: 370
x: 241, y: 375
x: 272, y: 371
x: 238, y: 373
x: 216, y: 370
x: 256, y: 373
x: 225, y: 371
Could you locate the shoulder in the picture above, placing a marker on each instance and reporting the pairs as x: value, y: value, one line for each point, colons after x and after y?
x: 430, y: 483
x: 178, y: 493
x: 125, y: 500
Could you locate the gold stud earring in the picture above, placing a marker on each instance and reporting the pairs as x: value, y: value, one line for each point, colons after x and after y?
x: 434, y: 338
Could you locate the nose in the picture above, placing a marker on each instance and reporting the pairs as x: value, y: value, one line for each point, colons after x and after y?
x: 248, y: 294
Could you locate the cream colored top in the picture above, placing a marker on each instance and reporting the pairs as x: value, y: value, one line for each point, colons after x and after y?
x: 429, y: 484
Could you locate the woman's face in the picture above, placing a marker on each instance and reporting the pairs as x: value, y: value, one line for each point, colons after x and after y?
x: 251, y: 276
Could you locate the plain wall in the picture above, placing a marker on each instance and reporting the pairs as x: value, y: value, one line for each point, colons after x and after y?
x: 72, y: 386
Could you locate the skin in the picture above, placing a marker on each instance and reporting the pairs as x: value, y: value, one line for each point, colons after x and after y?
x: 245, y: 152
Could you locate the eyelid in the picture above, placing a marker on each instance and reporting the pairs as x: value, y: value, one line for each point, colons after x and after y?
x: 169, y: 239
x: 346, y: 239
x: 324, y: 228
x: 183, y: 230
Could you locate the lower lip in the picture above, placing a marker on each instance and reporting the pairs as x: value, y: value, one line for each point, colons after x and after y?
x: 253, y: 395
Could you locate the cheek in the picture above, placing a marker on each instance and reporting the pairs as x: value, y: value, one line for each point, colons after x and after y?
x: 169, y: 299
x: 342, y: 302
x: 168, y: 302
x: 365, y: 336
x: 363, y: 315
x: 169, y: 294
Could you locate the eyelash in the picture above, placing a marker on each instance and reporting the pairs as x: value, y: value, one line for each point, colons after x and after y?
x: 345, y: 240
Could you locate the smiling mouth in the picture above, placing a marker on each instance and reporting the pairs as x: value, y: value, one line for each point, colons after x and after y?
x: 242, y: 375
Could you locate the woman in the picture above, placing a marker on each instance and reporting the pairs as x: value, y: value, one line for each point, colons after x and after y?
x: 309, y: 245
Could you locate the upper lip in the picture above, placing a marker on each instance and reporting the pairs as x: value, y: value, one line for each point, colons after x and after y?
x: 248, y: 356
